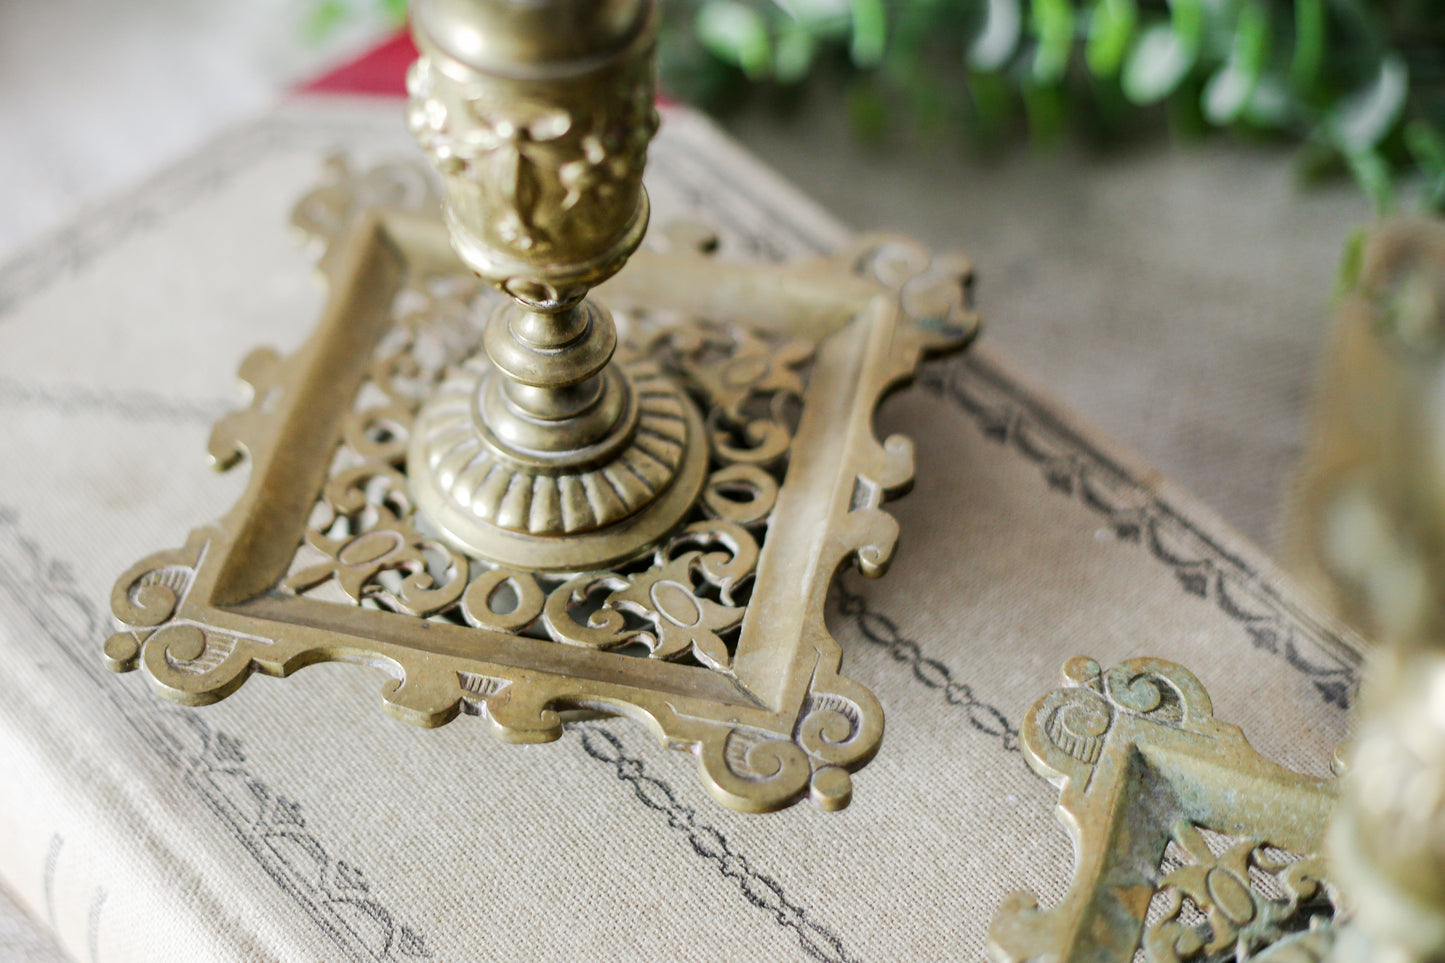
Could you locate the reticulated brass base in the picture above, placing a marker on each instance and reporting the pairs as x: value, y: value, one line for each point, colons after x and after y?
x: 600, y: 506
x: 714, y: 637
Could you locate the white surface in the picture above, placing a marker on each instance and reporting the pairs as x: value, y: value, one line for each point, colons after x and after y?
x: 96, y: 94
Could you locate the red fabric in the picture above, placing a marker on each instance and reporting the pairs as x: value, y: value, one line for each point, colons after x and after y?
x: 381, y: 70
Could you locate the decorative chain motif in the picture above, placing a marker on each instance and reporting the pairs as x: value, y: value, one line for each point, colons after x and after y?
x: 882, y: 631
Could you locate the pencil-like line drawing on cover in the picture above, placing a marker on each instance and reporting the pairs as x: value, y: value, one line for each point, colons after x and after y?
x: 133, y: 406
x: 882, y: 630
x: 708, y: 842
x: 211, y: 763
x: 47, y: 880
x: 92, y: 925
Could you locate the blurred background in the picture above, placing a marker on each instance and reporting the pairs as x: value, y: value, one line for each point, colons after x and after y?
x: 1159, y: 196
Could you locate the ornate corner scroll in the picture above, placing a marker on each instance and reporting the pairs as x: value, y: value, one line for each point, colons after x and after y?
x: 714, y: 636
x: 1188, y: 844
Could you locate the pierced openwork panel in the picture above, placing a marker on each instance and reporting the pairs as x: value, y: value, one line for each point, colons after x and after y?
x: 714, y: 634
x: 1236, y: 898
x: 683, y: 600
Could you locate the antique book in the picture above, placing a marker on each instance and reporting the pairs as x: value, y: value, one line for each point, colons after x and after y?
x: 295, y: 820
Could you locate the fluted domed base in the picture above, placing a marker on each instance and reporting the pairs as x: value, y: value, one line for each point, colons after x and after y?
x: 607, y: 503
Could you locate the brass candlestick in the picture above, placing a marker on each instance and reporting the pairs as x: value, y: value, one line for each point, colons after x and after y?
x: 532, y: 529
x: 544, y: 453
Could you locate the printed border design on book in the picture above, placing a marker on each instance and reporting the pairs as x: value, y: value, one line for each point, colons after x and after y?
x: 268, y: 824
x: 1204, y: 568
x: 272, y: 827
x: 882, y: 631
x: 708, y: 842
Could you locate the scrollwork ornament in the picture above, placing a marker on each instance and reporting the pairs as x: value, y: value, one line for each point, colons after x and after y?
x: 1144, y: 693
x: 326, y: 212
x: 369, y: 507
x: 527, y: 600
x: 602, y: 627
x: 829, y: 727
x: 836, y: 732
x: 935, y: 293
x: 761, y: 757
x: 743, y: 494
x: 671, y: 614
x: 1077, y: 723
x: 683, y: 621
x: 1240, y: 917
x: 1142, y: 769
x: 148, y: 595
x: 749, y: 382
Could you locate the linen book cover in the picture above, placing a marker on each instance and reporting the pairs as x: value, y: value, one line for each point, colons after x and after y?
x: 295, y: 820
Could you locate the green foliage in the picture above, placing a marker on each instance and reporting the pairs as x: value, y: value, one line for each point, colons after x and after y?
x: 1361, y: 85
x: 321, y: 18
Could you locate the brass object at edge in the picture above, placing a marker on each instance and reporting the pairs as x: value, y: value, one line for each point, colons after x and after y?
x: 736, y: 665
x: 1370, y: 536
x: 1140, y: 761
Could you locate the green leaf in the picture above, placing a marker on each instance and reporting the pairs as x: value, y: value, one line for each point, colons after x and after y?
x: 1229, y: 91
x: 817, y: 13
x: 870, y: 32
x: 794, y: 52
x: 737, y: 34
x: 1046, y: 112
x: 1352, y: 262
x: 1053, y: 23
x: 1427, y: 146
x: 1270, y: 105
x: 324, y: 18
x: 1363, y: 119
x: 999, y: 38
x: 1309, y: 43
x: 868, y: 112
x: 994, y: 105
x: 1372, y: 173
x: 1161, y: 59
x: 1111, y: 27
x: 1186, y: 17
